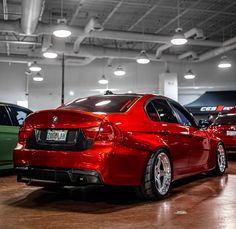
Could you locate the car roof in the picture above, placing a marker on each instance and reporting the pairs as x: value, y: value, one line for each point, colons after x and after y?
x: 14, y: 105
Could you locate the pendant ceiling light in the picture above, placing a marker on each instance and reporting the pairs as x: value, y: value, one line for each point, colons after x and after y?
x: 103, y: 80
x: 34, y: 67
x: 38, y: 77
x: 50, y: 54
x: 119, y: 71
x: 178, y: 38
x: 189, y: 75
x: 62, y: 29
x: 143, y: 58
x: 224, y: 63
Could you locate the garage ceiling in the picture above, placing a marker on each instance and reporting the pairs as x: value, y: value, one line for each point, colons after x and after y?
x: 139, y: 24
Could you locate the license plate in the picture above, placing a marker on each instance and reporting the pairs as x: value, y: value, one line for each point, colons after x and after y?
x: 56, y: 135
x: 231, y: 133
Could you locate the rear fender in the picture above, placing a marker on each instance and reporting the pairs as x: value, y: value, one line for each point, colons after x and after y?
x: 143, y: 141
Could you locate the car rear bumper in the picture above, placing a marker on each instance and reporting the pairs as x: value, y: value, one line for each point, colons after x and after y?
x: 115, y: 164
x: 75, y: 177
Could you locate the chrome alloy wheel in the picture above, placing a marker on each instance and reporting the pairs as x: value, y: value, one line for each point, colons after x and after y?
x: 221, y: 158
x: 162, y: 173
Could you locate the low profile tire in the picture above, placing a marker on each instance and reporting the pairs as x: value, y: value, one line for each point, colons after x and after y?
x: 157, y: 177
x: 221, y: 161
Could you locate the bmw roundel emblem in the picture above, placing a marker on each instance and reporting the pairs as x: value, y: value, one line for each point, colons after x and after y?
x: 55, y: 119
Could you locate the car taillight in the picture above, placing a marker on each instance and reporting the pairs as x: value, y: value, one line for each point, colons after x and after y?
x: 91, y: 132
x: 24, y: 134
x: 107, y: 132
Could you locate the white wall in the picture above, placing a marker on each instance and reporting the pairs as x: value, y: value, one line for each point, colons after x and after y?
x: 83, y: 80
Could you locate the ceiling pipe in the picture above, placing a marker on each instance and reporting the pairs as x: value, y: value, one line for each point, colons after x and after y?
x: 93, y: 25
x: 190, y: 55
x: 30, y: 10
x: 21, y: 59
x: 216, y: 52
x: 195, y: 33
x: 101, y: 52
x: 230, y: 41
x: 79, y: 61
x: 106, y: 34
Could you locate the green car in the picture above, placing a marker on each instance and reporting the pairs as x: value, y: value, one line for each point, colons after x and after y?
x: 11, y: 118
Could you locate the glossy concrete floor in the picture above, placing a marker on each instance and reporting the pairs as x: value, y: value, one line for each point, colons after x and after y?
x: 198, y: 202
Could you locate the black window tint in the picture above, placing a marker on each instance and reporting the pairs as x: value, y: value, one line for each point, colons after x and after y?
x: 107, y: 104
x: 4, y: 118
x: 164, y: 111
x: 152, y: 113
x: 183, y: 116
x: 19, y: 115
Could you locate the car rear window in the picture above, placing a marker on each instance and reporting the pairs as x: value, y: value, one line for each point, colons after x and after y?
x: 225, y: 120
x: 106, y: 104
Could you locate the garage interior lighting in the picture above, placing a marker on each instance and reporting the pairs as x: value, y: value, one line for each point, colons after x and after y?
x: 179, y: 38
x: 62, y: 30
x: 224, y: 63
x: 71, y: 93
x: 189, y: 75
x: 38, y: 77
x: 50, y: 55
x: 35, y: 68
x: 143, y: 58
x: 119, y: 71
x: 103, y: 80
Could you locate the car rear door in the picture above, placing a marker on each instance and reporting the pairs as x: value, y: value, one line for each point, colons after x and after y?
x: 8, y: 138
x: 175, y: 135
x: 199, y: 146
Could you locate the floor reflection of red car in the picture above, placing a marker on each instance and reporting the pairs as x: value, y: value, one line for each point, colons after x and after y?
x: 146, y: 141
x: 224, y: 127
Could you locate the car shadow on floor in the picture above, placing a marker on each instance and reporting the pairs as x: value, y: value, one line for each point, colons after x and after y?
x: 6, y: 172
x: 101, y: 200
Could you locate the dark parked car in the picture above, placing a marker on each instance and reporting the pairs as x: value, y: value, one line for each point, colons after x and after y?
x: 11, y: 118
x: 224, y: 127
x: 145, y: 141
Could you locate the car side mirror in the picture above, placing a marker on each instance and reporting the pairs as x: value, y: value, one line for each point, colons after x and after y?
x: 203, y: 124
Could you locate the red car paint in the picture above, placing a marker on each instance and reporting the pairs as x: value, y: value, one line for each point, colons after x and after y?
x: 224, y: 127
x: 122, y: 143
x: 232, y: 111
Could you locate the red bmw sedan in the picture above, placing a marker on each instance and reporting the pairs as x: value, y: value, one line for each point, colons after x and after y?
x: 224, y: 127
x: 145, y: 141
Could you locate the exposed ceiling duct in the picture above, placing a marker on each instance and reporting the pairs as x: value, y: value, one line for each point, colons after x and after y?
x: 79, y: 60
x: 188, y: 55
x: 93, y: 25
x: 216, y: 52
x: 196, y: 34
x: 86, y: 55
x: 31, y: 11
x: 106, y: 34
